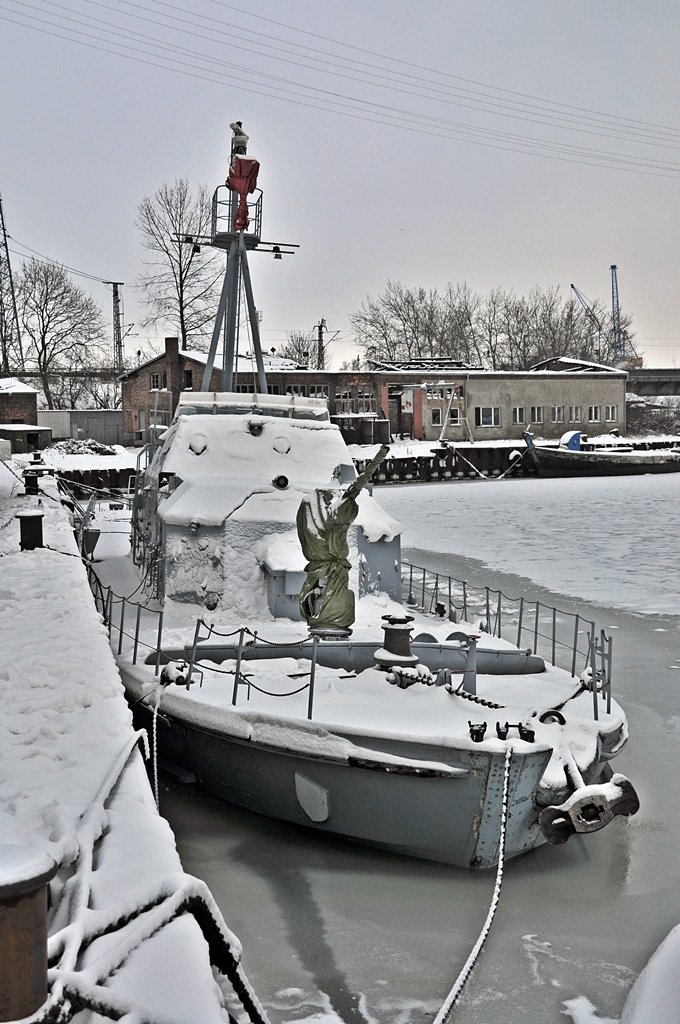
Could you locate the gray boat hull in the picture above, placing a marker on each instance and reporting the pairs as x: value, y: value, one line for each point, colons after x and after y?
x: 404, y: 808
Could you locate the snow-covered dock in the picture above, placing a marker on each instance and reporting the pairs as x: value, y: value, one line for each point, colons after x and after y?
x: 129, y: 933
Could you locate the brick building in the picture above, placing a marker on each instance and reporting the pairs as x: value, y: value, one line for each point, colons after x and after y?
x: 426, y: 399
x: 18, y: 401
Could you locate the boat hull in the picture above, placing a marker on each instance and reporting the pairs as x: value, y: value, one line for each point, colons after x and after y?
x: 553, y: 462
x: 454, y: 819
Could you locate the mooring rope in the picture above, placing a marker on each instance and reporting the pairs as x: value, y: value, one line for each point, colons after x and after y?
x: 465, y: 973
x: 154, y: 746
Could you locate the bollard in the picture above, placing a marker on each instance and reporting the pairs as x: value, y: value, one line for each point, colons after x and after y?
x: 396, y: 649
x: 24, y: 874
x: 31, y: 531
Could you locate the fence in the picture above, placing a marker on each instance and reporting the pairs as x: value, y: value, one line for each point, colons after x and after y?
x: 567, y: 640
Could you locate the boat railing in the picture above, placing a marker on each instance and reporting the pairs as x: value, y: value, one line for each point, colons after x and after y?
x: 125, y: 618
x: 564, y: 639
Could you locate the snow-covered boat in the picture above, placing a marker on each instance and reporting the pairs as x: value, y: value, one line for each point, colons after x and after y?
x: 270, y: 587
x: 570, y: 458
x: 455, y: 747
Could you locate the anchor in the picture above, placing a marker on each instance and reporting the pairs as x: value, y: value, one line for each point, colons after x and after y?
x: 588, y: 809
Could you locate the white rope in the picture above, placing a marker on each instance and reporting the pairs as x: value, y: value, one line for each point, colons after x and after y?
x: 154, y: 746
x: 453, y: 995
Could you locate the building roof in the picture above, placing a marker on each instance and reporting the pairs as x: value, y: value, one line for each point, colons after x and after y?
x: 245, y: 362
x: 12, y: 386
x: 569, y: 365
x: 421, y: 364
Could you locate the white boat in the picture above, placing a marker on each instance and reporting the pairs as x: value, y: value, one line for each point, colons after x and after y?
x: 460, y: 747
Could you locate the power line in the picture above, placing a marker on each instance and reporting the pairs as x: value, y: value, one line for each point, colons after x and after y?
x: 48, y: 261
x: 356, y: 108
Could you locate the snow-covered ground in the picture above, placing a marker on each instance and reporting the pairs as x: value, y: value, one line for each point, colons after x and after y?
x: 73, y: 786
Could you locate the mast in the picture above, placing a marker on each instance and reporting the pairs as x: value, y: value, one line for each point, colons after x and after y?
x: 237, y: 228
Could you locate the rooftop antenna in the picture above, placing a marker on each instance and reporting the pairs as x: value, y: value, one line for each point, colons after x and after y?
x: 11, y: 352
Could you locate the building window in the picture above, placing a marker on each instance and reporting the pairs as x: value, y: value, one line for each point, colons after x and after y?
x: 297, y: 389
x: 487, y: 416
x: 518, y: 415
x: 454, y: 416
x: 575, y: 413
x: 188, y: 380
x: 158, y: 381
x: 611, y: 413
x: 558, y: 414
x: 593, y: 414
x: 536, y: 413
x: 436, y: 417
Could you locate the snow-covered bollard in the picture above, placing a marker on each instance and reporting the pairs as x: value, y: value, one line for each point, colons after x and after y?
x: 30, y: 529
x: 24, y: 874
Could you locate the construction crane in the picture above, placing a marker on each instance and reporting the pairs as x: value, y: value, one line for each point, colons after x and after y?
x: 592, y: 317
x: 624, y: 352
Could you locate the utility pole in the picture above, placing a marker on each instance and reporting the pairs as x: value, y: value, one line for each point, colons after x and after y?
x: 11, y: 352
x: 320, y: 348
x: 117, y: 325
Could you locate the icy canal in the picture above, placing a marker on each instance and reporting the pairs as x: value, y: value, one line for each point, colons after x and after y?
x: 335, y: 933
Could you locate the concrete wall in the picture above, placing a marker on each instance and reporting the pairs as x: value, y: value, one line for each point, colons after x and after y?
x: 103, y: 425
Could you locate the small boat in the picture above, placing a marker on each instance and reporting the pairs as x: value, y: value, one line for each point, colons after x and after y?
x: 386, y: 725
x: 572, y: 459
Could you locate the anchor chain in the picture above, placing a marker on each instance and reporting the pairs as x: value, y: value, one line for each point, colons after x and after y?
x: 467, y: 969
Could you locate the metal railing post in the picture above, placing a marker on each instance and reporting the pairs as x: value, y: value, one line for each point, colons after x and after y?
x: 239, y: 656
x: 136, y: 645
x: 519, y: 622
x: 575, y: 648
x: 122, y: 625
x: 312, y: 674
x: 159, y: 642
x: 538, y: 612
x: 193, y: 653
x: 554, y: 633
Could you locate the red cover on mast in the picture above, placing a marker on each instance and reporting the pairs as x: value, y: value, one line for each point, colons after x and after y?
x: 242, y: 178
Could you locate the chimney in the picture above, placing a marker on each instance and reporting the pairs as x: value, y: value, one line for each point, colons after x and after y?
x: 172, y: 348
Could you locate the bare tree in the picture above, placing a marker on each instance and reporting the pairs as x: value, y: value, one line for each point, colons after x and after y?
x: 301, y: 347
x: 502, y: 331
x: 64, y: 328
x: 181, y: 283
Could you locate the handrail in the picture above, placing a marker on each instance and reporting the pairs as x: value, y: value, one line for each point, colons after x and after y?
x: 562, y: 638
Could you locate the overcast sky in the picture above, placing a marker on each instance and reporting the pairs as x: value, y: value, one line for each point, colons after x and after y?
x: 498, y: 143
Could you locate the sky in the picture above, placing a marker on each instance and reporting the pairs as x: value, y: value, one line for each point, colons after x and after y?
x: 501, y: 145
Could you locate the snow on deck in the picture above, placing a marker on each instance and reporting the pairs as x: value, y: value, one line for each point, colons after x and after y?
x: 73, y: 785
